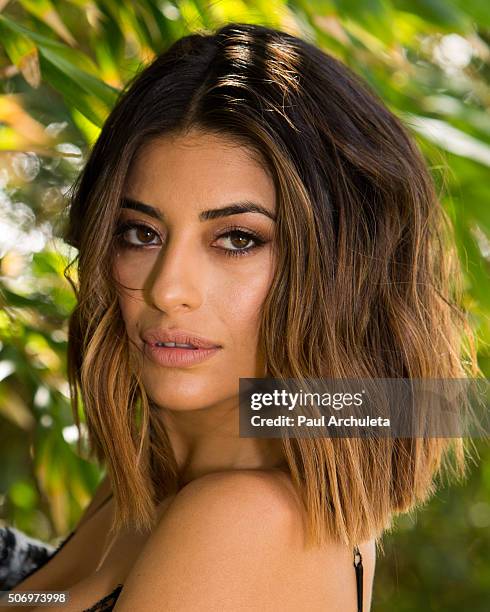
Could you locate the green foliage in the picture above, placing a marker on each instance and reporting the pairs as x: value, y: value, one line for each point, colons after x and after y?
x: 62, y: 64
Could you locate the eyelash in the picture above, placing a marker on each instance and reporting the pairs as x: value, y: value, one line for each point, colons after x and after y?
x: 129, y: 225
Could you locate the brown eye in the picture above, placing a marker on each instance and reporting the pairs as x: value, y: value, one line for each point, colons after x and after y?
x: 239, y: 240
x: 143, y: 234
x: 136, y: 235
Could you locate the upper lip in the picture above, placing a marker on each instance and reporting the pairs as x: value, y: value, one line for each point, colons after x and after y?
x: 152, y: 336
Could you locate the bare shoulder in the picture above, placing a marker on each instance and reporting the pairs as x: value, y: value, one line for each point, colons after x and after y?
x: 235, y: 540
x: 249, y: 493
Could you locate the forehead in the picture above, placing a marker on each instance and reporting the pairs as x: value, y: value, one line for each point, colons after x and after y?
x: 198, y: 167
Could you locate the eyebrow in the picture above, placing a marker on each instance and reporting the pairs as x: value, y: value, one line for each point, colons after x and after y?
x: 235, y: 208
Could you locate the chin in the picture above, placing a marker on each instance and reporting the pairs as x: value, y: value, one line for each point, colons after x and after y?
x: 188, y: 395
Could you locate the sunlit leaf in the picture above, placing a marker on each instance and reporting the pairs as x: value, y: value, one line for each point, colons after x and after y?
x: 450, y: 138
x: 89, y: 129
x: 373, y: 15
x: 440, y: 12
x: 45, y: 11
x: 29, y: 131
x: 22, y: 52
x: 73, y: 56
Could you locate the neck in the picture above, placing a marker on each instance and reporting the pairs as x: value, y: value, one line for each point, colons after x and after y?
x: 207, y: 440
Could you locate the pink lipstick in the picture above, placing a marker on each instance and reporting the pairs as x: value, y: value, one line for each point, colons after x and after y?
x: 178, y: 348
x: 178, y: 357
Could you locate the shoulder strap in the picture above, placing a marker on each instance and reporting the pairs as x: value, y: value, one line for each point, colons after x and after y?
x: 358, y: 569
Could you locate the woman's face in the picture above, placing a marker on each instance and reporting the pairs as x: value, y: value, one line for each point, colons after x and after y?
x: 204, y: 274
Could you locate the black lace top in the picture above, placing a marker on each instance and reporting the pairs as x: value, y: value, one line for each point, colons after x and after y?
x: 21, y: 556
x: 106, y: 603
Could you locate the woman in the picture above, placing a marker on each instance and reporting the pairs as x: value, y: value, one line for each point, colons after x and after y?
x: 250, y: 200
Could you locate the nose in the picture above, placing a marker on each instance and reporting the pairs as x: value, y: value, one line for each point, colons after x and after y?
x: 176, y: 281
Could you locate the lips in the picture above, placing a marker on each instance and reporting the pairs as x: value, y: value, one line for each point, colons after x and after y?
x: 156, y: 336
x: 178, y: 357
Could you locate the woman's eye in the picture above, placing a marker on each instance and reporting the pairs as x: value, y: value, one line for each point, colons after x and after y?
x: 136, y: 235
x: 237, y: 242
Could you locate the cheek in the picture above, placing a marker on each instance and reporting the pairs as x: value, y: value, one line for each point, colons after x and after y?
x: 131, y: 269
x: 130, y: 301
x: 240, y: 304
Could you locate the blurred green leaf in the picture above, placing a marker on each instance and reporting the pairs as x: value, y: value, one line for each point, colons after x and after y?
x: 23, y: 495
x: 46, y: 12
x: 440, y: 12
x: 22, y: 52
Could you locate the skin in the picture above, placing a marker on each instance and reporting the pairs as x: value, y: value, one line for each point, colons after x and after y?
x: 184, y: 279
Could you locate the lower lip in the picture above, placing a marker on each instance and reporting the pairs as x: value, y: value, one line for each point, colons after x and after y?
x: 178, y: 357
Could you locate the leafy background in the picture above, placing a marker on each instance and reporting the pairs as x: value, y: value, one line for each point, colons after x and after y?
x: 62, y: 63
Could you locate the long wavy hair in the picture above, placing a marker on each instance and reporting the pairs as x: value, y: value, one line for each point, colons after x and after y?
x: 367, y: 282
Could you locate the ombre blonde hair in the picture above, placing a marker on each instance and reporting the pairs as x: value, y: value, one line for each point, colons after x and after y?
x: 367, y: 283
